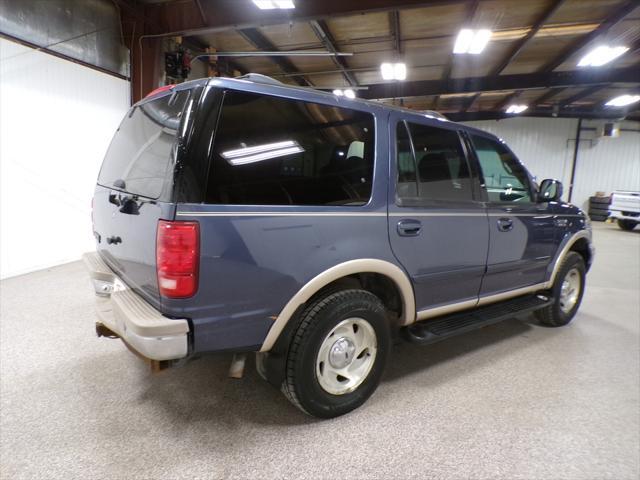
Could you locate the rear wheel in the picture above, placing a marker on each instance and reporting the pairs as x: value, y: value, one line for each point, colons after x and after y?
x: 627, y: 224
x: 337, y: 354
x: 567, y: 292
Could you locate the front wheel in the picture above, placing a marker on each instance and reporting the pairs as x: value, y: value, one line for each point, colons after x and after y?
x: 567, y: 292
x: 627, y: 225
x: 337, y: 354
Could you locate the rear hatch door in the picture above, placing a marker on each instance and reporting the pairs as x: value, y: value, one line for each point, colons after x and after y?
x: 135, y: 189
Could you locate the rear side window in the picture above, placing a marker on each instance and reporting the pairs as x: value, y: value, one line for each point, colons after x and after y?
x: 435, y: 168
x: 140, y: 158
x: 275, y: 151
x: 505, y: 178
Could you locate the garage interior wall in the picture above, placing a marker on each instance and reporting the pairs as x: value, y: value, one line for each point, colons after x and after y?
x: 546, y: 146
x: 56, y: 121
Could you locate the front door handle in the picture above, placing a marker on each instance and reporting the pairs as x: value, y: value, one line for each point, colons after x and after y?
x: 505, y: 224
x: 409, y: 228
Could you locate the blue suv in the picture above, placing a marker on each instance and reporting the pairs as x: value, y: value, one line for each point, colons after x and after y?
x: 243, y: 215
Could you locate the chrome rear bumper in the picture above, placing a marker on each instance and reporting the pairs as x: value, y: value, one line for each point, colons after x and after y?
x: 123, y: 312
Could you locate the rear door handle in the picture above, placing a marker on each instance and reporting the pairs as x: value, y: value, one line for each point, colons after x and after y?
x: 505, y: 224
x: 409, y: 228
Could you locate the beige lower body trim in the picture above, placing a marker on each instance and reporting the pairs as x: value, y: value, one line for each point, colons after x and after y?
x: 352, y: 267
x: 469, y: 304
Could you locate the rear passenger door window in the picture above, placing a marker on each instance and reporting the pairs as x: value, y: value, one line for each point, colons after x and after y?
x: 432, y: 165
x: 505, y: 179
x: 277, y: 151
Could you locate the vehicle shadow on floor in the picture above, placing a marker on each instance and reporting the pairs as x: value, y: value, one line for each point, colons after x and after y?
x: 201, y: 391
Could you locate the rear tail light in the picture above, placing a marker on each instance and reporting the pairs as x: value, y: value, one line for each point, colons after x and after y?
x: 177, y: 257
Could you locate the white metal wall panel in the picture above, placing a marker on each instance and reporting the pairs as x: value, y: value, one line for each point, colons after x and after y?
x: 546, y: 146
x: 56, y: 121
x: 540, y: 143
x: 610, y: 164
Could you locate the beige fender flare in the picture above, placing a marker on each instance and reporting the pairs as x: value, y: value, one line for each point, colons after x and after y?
x: 352, y: 267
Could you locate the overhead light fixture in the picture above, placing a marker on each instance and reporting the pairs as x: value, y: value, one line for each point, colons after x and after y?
x: 242, y: 156
x: 516, y: 108
x: 601, y: 55
x: 349, y: 93
x: 472, y: 41
x: 273, y: 4
x: 623, y: 100
x: 393, y: 71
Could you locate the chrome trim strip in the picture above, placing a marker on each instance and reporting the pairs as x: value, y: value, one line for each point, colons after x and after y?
x: 444, y: 309
x: 367, y: 214
x: 436, y: 214
x: 361, y: 265
x: 497, y: 297
x: 281, y: 214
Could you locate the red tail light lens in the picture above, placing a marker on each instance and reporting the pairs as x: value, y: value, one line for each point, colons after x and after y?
x: 177, y: 257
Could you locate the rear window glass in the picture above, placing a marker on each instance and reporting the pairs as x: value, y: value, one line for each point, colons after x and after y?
x: 275, y: 151
x: 140, y: 158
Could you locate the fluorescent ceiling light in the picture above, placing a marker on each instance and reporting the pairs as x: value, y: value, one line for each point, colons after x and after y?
x: 271, y: 4
x: 471, y: 41
x: 245, y: 155
x: 601, y: 55
x: 623, y: 100
x: 400, y: 71
x: 516, y: 108
x: 393, y: 71
x: 349, y: 93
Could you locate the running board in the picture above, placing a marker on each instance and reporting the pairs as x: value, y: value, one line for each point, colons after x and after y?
x: 431, y: 331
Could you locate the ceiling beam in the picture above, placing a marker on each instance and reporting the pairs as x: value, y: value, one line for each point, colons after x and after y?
x: 547, y: 113
x: 612, y: 20
x: 259, y: 41
x: 548, y: 96
x: 394, y: 27
x: 539, y: 23
x: 321, y: 30
x: 471, y: 13
x: 224, y: 15
x: 509, y: 99
x: 469, y: 102
x: 526, y: 81
x: 580, y: 95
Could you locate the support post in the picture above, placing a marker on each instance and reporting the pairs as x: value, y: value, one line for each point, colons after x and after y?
x: 575, y: 159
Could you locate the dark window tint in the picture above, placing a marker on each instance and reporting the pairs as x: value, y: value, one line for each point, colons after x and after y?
x: 505, y: 178
x: 140, y: 157
x: 275, y: 151
x: 439, y: 161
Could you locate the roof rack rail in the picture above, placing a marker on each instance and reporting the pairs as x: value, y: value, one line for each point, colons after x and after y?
x: 259, y: 78
x: 433, y: 113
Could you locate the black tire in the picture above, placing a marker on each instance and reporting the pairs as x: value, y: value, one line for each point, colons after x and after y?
x: 598, y: 211
x: 553, y: 315
x: 301, y: 385
x: 598, y: 218
x: 599, y: 200
x: 627, y: 225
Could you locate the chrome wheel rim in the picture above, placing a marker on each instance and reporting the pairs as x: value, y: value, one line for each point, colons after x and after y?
x: 570, y: 290
x: 346, y: 356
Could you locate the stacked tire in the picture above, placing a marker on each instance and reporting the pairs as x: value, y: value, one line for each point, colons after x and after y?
x: 599, y: 208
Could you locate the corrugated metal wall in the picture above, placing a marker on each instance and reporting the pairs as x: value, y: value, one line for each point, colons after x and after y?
x: 86, y: 30
x: 545, y: 146
x: 609, y: 164
x: 56, y: 121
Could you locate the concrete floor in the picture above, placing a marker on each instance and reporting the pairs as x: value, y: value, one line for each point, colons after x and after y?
x: 514, y: 400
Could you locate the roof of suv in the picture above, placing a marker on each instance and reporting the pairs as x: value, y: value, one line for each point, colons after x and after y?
x: 270, y: 85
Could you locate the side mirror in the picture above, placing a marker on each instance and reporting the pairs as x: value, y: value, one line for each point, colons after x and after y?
x: 550, y: 190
